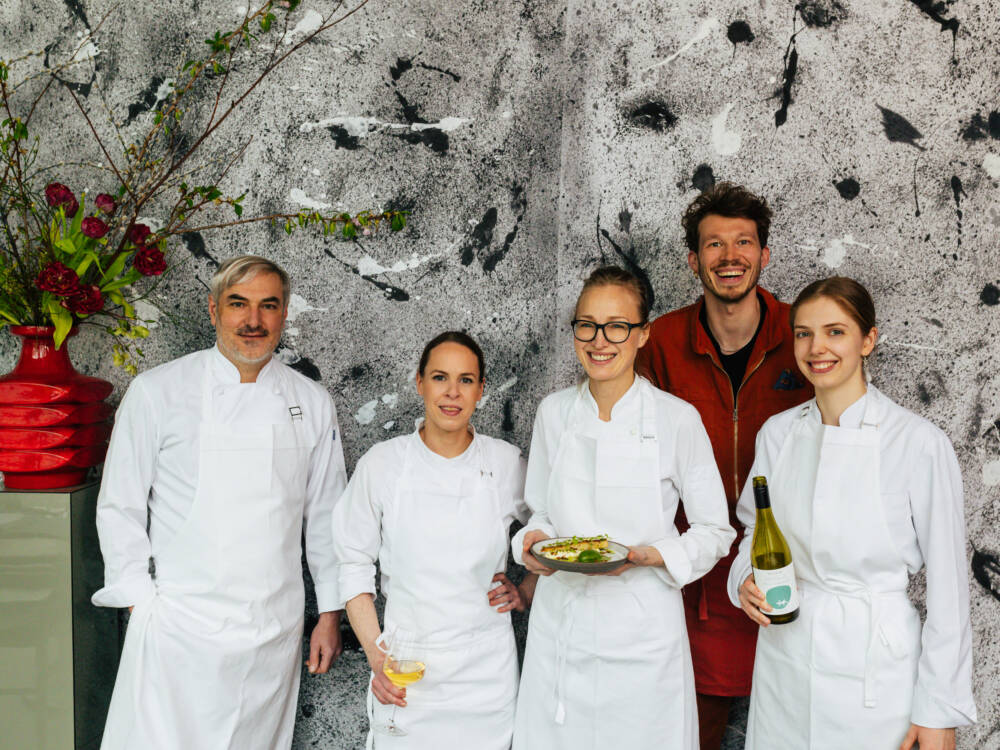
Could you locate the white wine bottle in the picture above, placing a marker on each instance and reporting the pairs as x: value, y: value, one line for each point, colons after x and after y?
x: 771, y: 560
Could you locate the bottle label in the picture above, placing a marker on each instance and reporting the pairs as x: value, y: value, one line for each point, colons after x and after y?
x: 779, y: 588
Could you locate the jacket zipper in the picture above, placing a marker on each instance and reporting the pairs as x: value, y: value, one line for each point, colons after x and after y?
x: 736, y: 427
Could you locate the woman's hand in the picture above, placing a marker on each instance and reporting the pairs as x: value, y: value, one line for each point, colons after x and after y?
x: 506, y: 596
x: 929, y: 739
x: 753, y: 602
x: 532, y: 537
x: 638, y: 556
x: 384, y: 691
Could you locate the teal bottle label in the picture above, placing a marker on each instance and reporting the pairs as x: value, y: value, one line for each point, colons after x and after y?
x: 779, y: 588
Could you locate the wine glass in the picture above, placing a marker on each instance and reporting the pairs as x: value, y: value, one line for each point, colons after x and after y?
x: 404, y: 665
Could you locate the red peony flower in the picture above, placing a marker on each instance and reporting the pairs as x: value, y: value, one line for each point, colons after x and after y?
x: 85, y: 300
x: 149, y: 261
x: 105, y: 203
x: 93, y: 227
x: 58, y: 279
x: 137, y: 233
x: 58, y: 195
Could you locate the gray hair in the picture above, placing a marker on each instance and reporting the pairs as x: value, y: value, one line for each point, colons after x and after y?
x: 244, y: 268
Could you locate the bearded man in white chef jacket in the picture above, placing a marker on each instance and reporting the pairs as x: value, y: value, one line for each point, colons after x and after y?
x: 219, y: 461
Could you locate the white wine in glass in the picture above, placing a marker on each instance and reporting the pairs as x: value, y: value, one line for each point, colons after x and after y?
x: 403, y: 665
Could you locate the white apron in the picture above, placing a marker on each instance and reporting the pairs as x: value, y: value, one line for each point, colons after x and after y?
x: 211, y: 662
x: 607, y: 663
x: 449, y: 541
x: 842, y: 674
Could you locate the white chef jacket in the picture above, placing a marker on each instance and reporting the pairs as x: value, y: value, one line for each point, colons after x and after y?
x: 152, y: 466
x: 921, y: 488
x: 687, y: 470
x: 363, y: 516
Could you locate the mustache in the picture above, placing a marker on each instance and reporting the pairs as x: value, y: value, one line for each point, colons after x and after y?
x: 252, y: 331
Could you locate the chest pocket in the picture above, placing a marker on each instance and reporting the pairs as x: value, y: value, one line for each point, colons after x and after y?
x: 293, y: 448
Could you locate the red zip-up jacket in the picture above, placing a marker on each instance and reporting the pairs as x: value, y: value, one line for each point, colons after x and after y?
x: 679, y: 358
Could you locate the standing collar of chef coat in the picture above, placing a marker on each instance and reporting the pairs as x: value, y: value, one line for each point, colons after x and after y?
x: 853, y: 414
x: 224, y: 371
x: 439, y: 461
x: 622, y: 404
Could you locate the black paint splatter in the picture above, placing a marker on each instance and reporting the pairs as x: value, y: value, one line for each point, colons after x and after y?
x: 402, y: 65
x: 958, y: 192
x: 195, y: 245
x: 507, y: 425
x: 390, y: 292
x: 518, y: 205
x: 625, y: 220
x: 81, y: 88
x: 923, y: 394
x: 434, y: 138
x: 454, y: 76
x: 739, y: 33
x: 849, y: 188
x: 653, y: 115
x: 703, y: 178
x: 410, y: 112
x: 357, y: 371
x: 628, y: 258
x: 308, y: 710
x: 307, y: 367
x: 343, y: 139
x: 821, y: 13
x: 787, y: 79
x: 75, y: 8
x: 147, y: 99
x: 898, y: 129
x: 481, y: 237
x: 979, y: 128
x: 990, y: 295
x: 986, y: 571
x: 932, y: 9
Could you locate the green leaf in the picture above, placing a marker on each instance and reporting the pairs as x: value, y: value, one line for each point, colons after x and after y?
x: 78, y: 219
x: 127, y: 280
x: 113, y: 270
x: 238, y: 209
x: 349, y: 231
x: 288, y: 226
x: 398, y: 222
x: 89, y: 257
x: 62, y: 319
x: 266, y: 21
x: 66, y: 245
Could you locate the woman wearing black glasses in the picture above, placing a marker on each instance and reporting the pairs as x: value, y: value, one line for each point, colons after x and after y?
x: 607, y: 661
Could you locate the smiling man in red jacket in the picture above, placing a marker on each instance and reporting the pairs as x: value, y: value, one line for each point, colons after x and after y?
x: 730, y: 355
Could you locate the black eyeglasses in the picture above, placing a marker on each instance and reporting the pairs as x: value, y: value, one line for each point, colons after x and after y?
x: 615, y: 331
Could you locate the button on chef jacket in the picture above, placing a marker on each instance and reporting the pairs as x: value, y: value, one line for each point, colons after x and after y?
x: 921, y: 498
x: 153, y: 462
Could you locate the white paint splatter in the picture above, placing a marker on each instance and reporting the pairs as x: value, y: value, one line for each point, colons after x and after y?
x: 86, y: 52
x: 706, y: 28
x: 360, y: 127
x: 297, y: 195
x: 505, y: 386
x: 885, y: 340
x: 287, y: 356
x: 991, y: 473
x: 241, y: 10
x: 992, y: 166
x: 837, y: 251
x: 725, y: 142
x: 366, y: 414
x: 368, y: 266
x: 298, y: 305
x: 389, y: 425
x: 147, y: 312
x: 165, y: 89
x: 309, y: 23
x: 390, y: 400
x: 506, y: 114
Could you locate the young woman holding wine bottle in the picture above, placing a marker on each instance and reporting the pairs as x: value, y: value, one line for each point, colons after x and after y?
x: 866, y: 493
x: 434, y: 508
x: 607, y: 663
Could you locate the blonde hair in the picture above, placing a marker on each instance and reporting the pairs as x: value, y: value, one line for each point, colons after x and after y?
x: 244, y: 268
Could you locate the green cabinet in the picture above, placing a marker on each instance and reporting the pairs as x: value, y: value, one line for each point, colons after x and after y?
x: 58, y: 652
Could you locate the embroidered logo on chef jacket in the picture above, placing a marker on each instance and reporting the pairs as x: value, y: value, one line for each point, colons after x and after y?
x: 296, y: 412
x: 787, y: 381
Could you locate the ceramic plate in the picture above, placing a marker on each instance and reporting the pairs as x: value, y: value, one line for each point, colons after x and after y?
x: 618, y: 556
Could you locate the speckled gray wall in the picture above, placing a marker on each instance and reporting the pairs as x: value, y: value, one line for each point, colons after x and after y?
x: 570, y: 133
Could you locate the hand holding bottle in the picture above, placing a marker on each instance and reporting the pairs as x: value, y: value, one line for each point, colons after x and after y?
x: 753, y: 602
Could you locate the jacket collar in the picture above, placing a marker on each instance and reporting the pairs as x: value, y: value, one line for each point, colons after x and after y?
x: 771, y: 334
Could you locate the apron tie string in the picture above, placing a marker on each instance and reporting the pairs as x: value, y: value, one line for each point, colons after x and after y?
x: 702, y: 600
x: 562, y: 647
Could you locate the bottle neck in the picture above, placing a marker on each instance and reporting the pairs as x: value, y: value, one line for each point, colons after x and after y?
x: 761, y: 498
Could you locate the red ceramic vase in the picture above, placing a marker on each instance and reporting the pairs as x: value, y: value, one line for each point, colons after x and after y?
x: 54, y: 424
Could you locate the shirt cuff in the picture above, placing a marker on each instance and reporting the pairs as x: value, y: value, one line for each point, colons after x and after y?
x: 930, y: 712
x: 354, y: 579
x: 128, y: 592
x: 675, y: 560
x: 517, y: 543
x: 738, y: 573
x: 327, y: 596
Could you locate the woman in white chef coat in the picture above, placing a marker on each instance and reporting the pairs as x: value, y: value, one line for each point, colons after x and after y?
x: 866, y: 493
x: 434, y: 508
x: 608, y: 663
